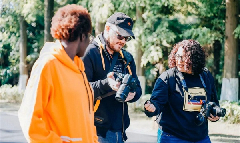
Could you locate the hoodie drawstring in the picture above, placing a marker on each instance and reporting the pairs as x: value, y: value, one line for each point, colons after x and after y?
x: 101, y: 48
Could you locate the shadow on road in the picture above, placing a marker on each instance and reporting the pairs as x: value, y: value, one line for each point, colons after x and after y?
x: 10, y: 131
x: 223, y: 138
x: 223, y: 135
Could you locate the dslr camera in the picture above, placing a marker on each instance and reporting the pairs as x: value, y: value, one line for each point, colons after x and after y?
x: 128, y: 84
x: 207, y: 109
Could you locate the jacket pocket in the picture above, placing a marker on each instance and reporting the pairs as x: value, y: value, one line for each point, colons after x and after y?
x: 102, y: 116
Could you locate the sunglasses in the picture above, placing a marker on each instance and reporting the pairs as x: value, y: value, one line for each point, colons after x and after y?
x: 120, y: 37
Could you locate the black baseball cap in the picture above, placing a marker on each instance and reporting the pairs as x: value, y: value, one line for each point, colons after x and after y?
x: 123, y: 23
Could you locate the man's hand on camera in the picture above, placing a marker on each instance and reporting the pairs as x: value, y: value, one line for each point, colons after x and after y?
x: 112, y: 81
x: 149, y: 106
x: 130, y: 96
x: 212, y: 118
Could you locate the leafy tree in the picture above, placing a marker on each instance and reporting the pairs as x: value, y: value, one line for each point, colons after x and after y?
x: 48, y: 14
x: 159, y: 24
x: 231, y: 53
x: 11, y: 10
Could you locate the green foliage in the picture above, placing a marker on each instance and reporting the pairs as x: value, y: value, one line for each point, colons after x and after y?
x: 232, y: 112
x: 166, y: 22
x: 99, y: 10
x: 9, y: 75
x: 10, y: 93
x: 31, y: 11
x: 9, y: 52
x: 10, y: 11
x: 160, y: 24
x: 237, y: 32
x: 203, y: 35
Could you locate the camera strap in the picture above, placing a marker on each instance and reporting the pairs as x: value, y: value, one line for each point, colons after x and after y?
x: 193, y: 97
x: 183, y: 82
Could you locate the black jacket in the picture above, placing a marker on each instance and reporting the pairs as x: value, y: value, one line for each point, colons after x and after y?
x: 168, y: 99
x: 110, y: 112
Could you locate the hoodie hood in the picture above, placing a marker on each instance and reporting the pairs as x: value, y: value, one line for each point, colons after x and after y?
x: 56, y: 49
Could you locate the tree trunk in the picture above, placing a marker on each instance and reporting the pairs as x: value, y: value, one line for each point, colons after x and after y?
x: 239, y: 53
x: 48, y: 14
x: 231, y: 50
x: 217, y: 48
x: 230, y: 74
x: 75, y: 1
x: 99, y: 28
x: 139, y: 52
x: 23, y: 53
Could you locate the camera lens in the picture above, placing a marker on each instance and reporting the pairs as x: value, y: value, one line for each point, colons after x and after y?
x: 124, y: 88
x: 222, y: 112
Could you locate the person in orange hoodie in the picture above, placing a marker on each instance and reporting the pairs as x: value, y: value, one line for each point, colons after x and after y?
x: 58, y: 102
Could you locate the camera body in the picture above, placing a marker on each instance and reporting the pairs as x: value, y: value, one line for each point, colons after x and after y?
x: 128, y: 84
x: 207, y: 109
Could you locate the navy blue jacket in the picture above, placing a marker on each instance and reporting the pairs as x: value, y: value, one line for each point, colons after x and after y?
x: 167, y: 97
x: 110, y: 112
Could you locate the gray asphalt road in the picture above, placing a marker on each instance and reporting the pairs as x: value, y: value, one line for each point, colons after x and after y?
x: 140, y: 138
x: 10, y: 131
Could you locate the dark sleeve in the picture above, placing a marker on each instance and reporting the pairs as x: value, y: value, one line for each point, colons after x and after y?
x: 134, y: 75
x: 213, y: 89
x: 159, y: 95
x: 100, y: 87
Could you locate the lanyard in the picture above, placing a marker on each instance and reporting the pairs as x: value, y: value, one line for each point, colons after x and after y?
x: 183, y: 82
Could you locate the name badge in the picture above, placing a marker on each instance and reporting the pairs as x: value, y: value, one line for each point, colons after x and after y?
x: 194, y: 98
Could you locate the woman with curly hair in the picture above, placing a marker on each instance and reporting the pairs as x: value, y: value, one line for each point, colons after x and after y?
x: 58, y: 101
x: 179, y: 94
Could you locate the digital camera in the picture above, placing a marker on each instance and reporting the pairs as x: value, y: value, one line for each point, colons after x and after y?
x: 128, y: 84
x: 207, y: 109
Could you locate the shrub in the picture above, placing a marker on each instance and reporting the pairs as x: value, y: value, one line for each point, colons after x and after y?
x: 232, y: 112
x: 10, y: 93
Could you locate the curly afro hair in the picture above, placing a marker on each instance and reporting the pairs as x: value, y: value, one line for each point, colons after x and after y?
x: 195, y: 56
x: 71, y: 21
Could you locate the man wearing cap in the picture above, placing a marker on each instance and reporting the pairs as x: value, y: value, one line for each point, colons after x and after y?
x: 103, y: 58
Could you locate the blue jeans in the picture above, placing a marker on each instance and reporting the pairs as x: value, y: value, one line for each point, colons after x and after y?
x: 111, y: 137
x: 168, y: 138
x: 159, y: 135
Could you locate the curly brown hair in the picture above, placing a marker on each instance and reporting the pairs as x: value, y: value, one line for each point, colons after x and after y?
x: 71, y: 21
x: 195, y: 55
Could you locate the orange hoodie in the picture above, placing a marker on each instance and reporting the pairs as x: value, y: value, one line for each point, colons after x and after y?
x: 58, y: 101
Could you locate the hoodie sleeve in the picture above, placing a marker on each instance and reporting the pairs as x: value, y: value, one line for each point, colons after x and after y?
x: 100, y: 87
x: 159, y: 95
x: 31, y: 110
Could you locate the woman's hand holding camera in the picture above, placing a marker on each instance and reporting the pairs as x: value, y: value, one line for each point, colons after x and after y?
x: 149, y: 106
x: 212, y: 118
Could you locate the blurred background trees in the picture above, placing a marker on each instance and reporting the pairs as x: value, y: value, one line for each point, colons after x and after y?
x: 159, y: 24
